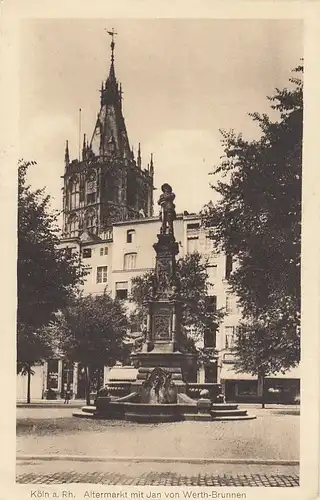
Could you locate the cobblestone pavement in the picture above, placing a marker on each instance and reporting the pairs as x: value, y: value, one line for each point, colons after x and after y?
x: 156, y: 473
x: 161, y: 479
x: 273, y: 436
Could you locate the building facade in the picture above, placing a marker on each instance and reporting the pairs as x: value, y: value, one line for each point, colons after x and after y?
x: 108, y: 221
x: 113, y: 264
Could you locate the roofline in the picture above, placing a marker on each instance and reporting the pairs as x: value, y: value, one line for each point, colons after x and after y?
x: 154, y: 219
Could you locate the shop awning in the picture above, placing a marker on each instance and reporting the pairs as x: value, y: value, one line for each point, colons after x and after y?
x: 228, y: 373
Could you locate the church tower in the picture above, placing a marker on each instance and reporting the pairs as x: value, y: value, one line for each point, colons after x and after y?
x: 107, y: 184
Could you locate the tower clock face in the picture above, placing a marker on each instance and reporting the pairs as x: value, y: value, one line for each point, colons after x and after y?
x: 91, y: 186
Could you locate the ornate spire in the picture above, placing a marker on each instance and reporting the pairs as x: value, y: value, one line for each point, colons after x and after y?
x: 84, y: 147
x: 151, y: 165
x: 66, y: 155
x: 110, y: 122
x: 112, y: 76
x: 139, y: 156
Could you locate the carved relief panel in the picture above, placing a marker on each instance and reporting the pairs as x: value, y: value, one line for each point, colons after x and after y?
x: 162, y: 322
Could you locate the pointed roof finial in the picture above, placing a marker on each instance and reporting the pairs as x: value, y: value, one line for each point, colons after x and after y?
x: 112, y: 33
x: 66, y: 155
x: 84, y: 147
x: 139, y: 156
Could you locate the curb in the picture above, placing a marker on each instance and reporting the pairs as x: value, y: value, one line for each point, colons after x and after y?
x: 83, y: 458
x: 60, y: 406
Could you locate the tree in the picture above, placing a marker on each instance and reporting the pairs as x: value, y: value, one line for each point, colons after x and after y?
x: 47, y: 275
x: 199, y: 317
x: 268, y: 344
x: 90, y: 330
x: 258, y: 221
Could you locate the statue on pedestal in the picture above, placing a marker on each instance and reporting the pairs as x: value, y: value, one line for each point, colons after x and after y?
x: 168, y: 213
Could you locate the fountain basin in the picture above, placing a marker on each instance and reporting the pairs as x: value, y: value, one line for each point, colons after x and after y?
x: 132, y: 410
x: 154, y: 413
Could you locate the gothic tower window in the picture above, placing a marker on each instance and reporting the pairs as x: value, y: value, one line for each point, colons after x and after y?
x: 91, y: 220
x: 73, y: 226
x: 74, y: 195
x: 91, y: 188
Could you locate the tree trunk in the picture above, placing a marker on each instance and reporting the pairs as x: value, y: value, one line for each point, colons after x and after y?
x: 99, y: 377
x: 28, y: 384
x: 261, y: 382
x: 88, y: 401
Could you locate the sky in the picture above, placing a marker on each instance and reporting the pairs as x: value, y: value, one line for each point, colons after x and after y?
x: 182, y: 80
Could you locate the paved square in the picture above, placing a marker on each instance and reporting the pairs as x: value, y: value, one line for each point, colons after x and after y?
x: 261, y: 452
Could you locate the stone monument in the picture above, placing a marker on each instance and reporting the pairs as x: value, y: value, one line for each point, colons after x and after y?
x: 161, y: 348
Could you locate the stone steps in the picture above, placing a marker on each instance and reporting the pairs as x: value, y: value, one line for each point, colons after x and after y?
x: 228, y: 413
x: 218, y: 412
x: 83, y: 414
x: 224, y: 406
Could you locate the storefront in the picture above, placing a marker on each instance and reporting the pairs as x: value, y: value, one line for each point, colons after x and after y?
x: 244, y: 387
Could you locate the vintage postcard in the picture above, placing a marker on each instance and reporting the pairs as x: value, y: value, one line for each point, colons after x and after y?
x: 160, y: 194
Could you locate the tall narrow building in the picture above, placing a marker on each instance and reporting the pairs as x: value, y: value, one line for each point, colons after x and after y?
x: 107, y: 184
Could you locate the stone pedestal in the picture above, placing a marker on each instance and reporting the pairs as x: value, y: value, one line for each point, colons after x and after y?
x: 161, y: 348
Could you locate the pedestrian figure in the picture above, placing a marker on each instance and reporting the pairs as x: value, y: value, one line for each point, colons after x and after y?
x: 67, y: 395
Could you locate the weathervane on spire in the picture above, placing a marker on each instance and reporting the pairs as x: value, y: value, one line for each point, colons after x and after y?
x: 111, y: 33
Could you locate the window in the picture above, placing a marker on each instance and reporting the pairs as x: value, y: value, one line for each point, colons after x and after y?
x: 122, y: 290
x: 229, y: 336
x: 212, y: 271
x: 210, y: 338
x: 192, y: 244
x: 247, y: 388
x: 109, y: 235
x: 129, y: 261
x: 193, y: 226
x: 86, y: 253
x: 74, y: 196
x: 90, y: 220
x: 52, y: 380
x: 229, y: 265
x: 73, y: 226
x: 91, y: 189
x: 131, y: 235
x: 211, y: 303
x: 103, y: 251
x: 102, y: 274
x: 231, y: 304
